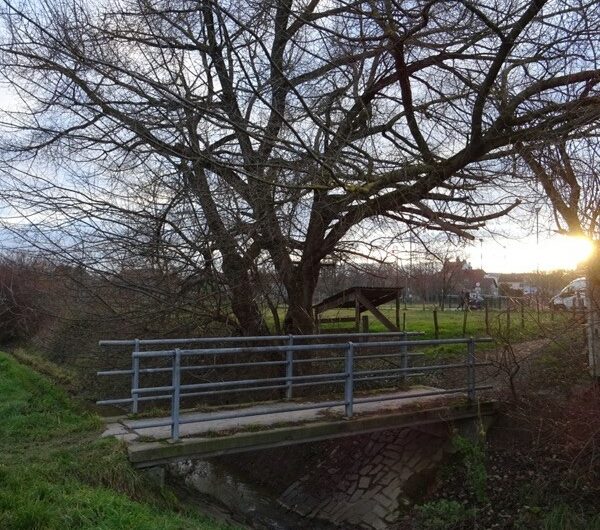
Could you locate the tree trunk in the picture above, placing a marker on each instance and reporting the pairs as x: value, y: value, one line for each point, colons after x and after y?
x: 593, y: 310
x: 243, y: 299
x: 299, y: 318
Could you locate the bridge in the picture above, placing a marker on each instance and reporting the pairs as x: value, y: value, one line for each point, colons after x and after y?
x: 302, y: 388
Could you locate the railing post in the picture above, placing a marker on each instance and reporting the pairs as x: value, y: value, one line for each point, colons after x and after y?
x: 175, y: 393
x: 471, y: 369
x: 289, y: 368
x: 135, y: 376
x: 349, y: 385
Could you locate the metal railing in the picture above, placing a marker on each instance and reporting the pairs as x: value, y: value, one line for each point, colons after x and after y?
x: 343, y: 358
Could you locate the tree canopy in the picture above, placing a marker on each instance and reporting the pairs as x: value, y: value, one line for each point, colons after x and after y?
x: 194, y: 135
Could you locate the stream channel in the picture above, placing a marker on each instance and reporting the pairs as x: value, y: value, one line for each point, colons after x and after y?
x: 365, y: 481
x: 224, y: 495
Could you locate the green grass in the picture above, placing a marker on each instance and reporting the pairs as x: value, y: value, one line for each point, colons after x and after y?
x: 450, y: 321
x: 56, y: 473
x: 531, y: 325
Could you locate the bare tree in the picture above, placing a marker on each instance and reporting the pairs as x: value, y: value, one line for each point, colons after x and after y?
x: 567, y: 173
x: 216, y: 135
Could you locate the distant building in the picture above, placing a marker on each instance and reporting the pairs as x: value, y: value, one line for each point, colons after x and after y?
x: 489, y: 285
x: 514, y: 284
x: 476, y: 280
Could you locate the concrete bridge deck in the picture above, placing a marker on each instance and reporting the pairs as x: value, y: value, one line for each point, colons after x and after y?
x: 204, y: 437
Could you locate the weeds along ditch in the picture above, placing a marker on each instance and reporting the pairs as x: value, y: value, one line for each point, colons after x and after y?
x: 539, y: 466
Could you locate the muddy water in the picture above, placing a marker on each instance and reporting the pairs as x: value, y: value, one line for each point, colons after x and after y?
x: 228, y: 497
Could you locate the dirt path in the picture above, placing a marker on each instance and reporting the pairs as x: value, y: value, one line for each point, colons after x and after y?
x: 514, y: 362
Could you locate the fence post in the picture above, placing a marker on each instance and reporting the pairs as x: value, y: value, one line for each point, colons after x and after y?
x: 398, y: 308
x: 464, y: 326
x: 436, y: 329
x: 522, y: 314
x: 471, y: 369
x: 135, y: 376
x: 289, y: 368
x: 404, y: 359
x: 365, y: 324
x: 175, y: 394
x: 349, y: 385
x: 487, y: 318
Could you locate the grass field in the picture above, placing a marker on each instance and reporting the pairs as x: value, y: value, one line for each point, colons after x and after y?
x: 450, y: 322
x: 514, y: 326
x: 521, y: 326
x: 56, y: 473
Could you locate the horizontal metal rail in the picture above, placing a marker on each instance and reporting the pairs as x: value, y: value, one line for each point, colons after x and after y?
x: 244, y: 382
x: 346, y: 371
x: 434, y: 368
x: 257, y: 363
x: 303, y: 347
x: 125, y: 401
x: 257, y: 338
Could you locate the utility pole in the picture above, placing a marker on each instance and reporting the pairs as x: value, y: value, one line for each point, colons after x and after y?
x: 410, y: 255
x: 537, y: 240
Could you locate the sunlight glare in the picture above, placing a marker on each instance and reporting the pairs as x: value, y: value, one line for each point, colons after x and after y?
x: 578, y: 248
x: 525, y: 255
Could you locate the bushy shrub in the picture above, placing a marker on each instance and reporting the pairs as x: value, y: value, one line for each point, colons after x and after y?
x: 24, y: 288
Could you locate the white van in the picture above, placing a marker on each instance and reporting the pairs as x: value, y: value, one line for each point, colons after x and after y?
x: 572, y: 296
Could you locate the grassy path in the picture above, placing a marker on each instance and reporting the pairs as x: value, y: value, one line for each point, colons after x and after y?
x: 55, y: 473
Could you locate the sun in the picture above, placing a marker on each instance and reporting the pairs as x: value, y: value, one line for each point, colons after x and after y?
x: 552, y: 252
x: 576, y: 249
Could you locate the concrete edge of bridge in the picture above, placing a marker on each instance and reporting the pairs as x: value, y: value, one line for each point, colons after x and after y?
x: 156, y: 453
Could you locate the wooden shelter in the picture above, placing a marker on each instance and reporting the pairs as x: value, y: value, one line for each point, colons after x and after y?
x: 362, y: 299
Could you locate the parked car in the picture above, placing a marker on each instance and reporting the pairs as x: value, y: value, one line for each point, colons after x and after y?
x: 573, y: 296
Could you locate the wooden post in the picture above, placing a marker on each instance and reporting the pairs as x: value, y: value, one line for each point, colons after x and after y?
x: 487, y: 317
x: 464, y: 330
x: 368, y: 305
x: 522, y: 314
x: 398, y: 308
x: 365, y: 324
x: 436, y: 328
x: 356, y: 311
